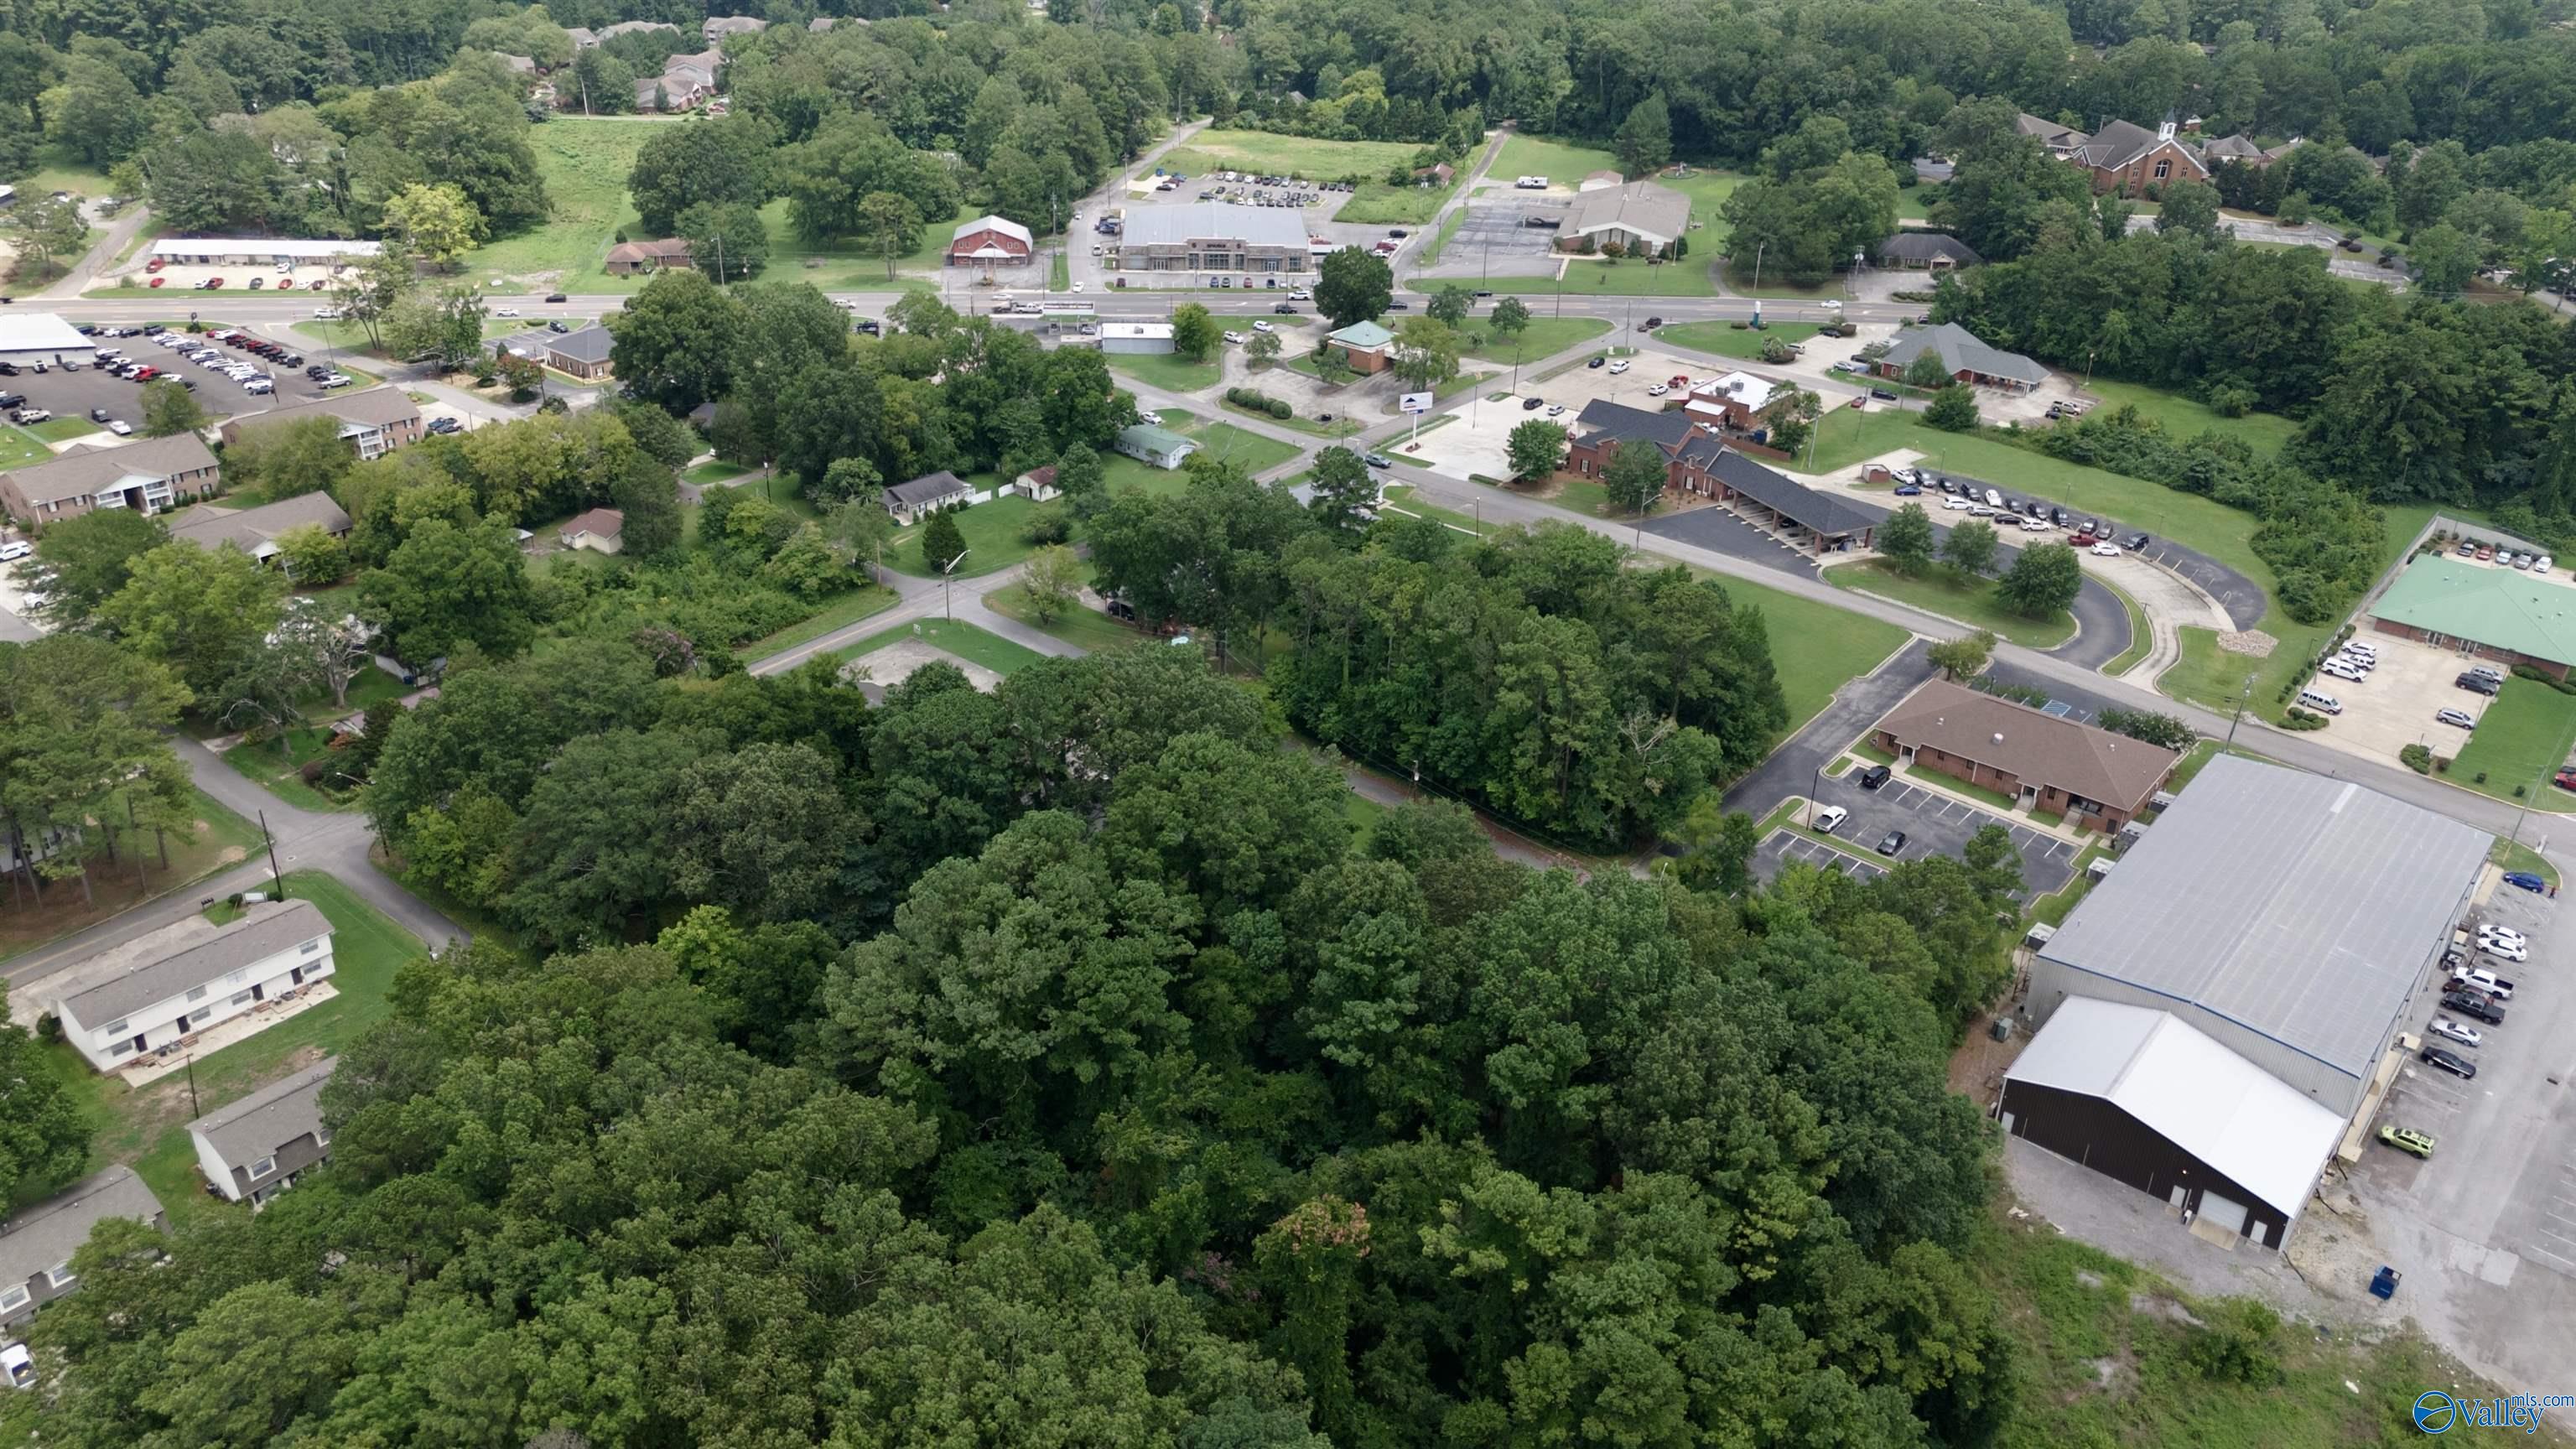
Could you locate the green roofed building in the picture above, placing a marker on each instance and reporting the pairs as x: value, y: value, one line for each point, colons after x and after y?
x: 1364, y: 345
x: 1155, y: 447
x: 2495, y: 613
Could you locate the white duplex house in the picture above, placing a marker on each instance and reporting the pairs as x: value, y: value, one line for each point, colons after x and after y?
x: 164, y: 996
x: 253, y: 1149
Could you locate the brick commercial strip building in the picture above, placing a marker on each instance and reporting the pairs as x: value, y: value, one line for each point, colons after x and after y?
x: 1215, y: 239
x: 2494, y: 613
x: 2096, y: 779
x: 1699, y: 465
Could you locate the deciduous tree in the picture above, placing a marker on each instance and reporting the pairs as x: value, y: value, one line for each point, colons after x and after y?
x: 1634, y: 478
x: 1535, y: 448
x: 2043, y: 581
x: 1905, y: 539
x: 1353, y: 286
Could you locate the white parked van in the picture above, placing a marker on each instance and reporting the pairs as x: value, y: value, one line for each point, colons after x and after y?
x: 2321, y: 703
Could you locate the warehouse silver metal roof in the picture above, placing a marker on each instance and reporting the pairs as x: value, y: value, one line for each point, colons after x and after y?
x: 1171, y: 226
x: 2298, y: 906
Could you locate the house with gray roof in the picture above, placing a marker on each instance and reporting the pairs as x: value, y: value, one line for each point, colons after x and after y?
x: 912, y: 501
x: 254, y: 1148
x: 255, y: 531
x: 1640, y: 217
x: 36, y: 1246
x: 146, y: 475
x: 2062, y: 141
x: 165, y: 995
x: 582, y: 352
x: 1699, y: 464
x: 720, y: 26
x: 1962, y: 356
x: 373, y: 420
x: 1935, y: 251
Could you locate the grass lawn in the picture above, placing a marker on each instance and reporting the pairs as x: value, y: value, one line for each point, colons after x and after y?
x: 146, y: 1126
x: 2141, y: 641
x: 1939, y: 781
x: 2058, y: 904
x: 1708, y: 191
x: 276, y: 771
x: 584, y: 162
x: 716, y: 470
x: 63, y: 430
x: 2184, y: 418
x: 1870, y: 752
x: 1598, y: 277
x: 1333, y: 429
x: 1728, y: 340
x: 1953, y: 595
x: 1167, y: 370
x: 1815, y: 648
x: 1563, y: 163
x: 2514, y: 856
x: 1085, y: 629
x: 1399, y: 499
x: 1439, y: 242
x: 1377, y: 204
x: 848, y: 609
x: 967, y: 642
x: 1845, y: 436
x: 1059, y: 273
x: 2519, y: 743
x: 216, y: 840
x: 1543, y: 337
x: 1914, y: 203
x: 1248, y: 450
x: 1218, y: 149
x: 1363, y: 813
x: 18, y: 448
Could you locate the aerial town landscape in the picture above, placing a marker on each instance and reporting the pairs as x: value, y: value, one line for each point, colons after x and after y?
x: 1291, y: 724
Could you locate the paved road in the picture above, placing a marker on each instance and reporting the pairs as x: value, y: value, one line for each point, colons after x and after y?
x: 305, y: 840
x: 99, y: 257
x: 2240, y: 596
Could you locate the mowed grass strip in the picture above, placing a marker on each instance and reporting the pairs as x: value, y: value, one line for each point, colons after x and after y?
x: 965, y: 641
x: 1269, y: 154
x: 2520, y: 741
x: 1952, y: 594
x: 1816, y: 648
x: 1728, y: 340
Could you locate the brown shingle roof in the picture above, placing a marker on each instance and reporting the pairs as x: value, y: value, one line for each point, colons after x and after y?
x: 2040, y: 748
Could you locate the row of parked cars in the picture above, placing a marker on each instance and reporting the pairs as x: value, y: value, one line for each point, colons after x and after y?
x: 2352, y: 663
x: 2489, y: 553
x: 253, y: 379
x: 2472, y: 991
x: 2034, y: 515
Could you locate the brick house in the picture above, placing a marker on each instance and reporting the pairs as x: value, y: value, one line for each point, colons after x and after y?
x: 628, y: 258
x: 991, y: 241
x: 147, y: 475
x: 1366, y: 346
x: 2094, y: 778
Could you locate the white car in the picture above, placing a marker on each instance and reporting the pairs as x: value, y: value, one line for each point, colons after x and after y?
x: 1956, y: 504
x: 2034, y: 525
x: 1077, y: 286
x: 499, y: 312
x: 1657, y: 390
x: 2106, y: 550
x: 120, y: 427
x: 2340, y: 670
x: 2502, y: 933
x: 2510, y: 951
x: 2541, y: 564
x: 18, y: 1366
x: 1300, y: 294
x: 1994, y: 498
x: 1829, y: 817
x: 15, y: 549
x: 2357, y: 661
x: 259, y: 387
x: 326, y: 314
x: 1235, y: 338
x: 1619, y: 364
x: 2464, y: 1035
x: 1149, y: 417
x: 1263, y: 327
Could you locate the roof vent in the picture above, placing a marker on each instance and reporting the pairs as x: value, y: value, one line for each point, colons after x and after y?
x: 1999, y: 737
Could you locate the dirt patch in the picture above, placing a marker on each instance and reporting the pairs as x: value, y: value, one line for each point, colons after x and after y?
x: 2088, y: 1277
x: 2156, y: 1305
x: 895, y: 663
x: 2253, y: 643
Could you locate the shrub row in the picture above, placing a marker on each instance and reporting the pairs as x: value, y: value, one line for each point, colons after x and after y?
x: 1254, y: 400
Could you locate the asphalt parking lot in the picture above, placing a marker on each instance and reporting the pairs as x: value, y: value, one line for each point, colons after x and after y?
x: 2235, y: 593
x: 1785, y: 845
x: 1495, y: 238
x: 2485, y: 1232
x: 73, y: 394
x: 2102, y: 631
x: 1722, y: 530
x: 1938, y: 824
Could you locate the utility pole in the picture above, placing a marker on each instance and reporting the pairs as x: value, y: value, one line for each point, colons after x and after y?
x: 2242, y: 700
x: 947, y: 578
x: 1758, y: 248
x: 191, y: 1060
x: 276, y: 877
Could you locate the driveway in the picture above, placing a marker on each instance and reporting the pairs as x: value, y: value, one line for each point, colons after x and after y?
x: 1791, y: 769
x: 1495, y: 239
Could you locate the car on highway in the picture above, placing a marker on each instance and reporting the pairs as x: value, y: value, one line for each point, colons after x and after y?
x: 2449, y: 1061
x: 2464, y: 1035
x: 2407, y: 1139
x: 1377, y: 460
x: 1828, y: 818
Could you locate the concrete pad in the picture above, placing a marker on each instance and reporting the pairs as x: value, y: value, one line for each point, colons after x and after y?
x: 152, y: 1067
x: 27, y: 1005
x: 895, y: 663
x: 2394, y: 707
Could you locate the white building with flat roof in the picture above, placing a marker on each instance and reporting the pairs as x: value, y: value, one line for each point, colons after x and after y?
x: 27, y: 337
x: 256, y: 251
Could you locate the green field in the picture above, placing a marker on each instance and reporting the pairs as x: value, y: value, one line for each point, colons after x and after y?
x: 1563, y: 163
x: 63, y: 430
x: 18, y: 448
x: 849, y: 609
x: 145, y: 1126
x: 1728, y: 340
x: 1000, y: 655
x: 1953, y: 595
x: 1084, y: 628
x: 1400, y: 499
x: 1601, y: 278
x: 1249, y: 451
x: 1168, y: 370
x: 1543, y: 337
x: 1815, y: 648
x: 277, y: 769
x: 1914, y: 203
x: 2520, y: 741
x: 1270, y: 154
x: 2184, y: 418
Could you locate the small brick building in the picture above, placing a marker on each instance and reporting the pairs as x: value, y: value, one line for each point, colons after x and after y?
x: 2096, y: 779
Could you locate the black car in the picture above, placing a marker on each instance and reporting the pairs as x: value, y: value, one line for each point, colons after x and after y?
x: 2449, y: 1061
x: 1892, y: 842
x: 1399, y: 305
x: 1654, y: 322
x: 317, y: 372
x: 1396, y: 231
x: 2137, y: 541
x: 1882, y: 394
x: 1484, y: 294
x: 1528, y: 403
x: 2469, y: 1003
x: 1284, y: 309
x: 1596, y: 362
x: 871, y: 327
x: 98, y: 415
x: 8, y: 369
x: 445, y: 425
x: 1873, y: 777
x: 2057, y: 516
x: 11, y: 399
x: 557, y: 297
x: 558, y: 325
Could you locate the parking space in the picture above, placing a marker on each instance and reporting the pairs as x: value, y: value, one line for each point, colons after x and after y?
x: 1786, y: 844
x: 1721, y: 529
x: 2243, y: 600
x: 1495, y: 238
x: 72, y: 394
x: 2394, y: 705
x: 1933, y: 823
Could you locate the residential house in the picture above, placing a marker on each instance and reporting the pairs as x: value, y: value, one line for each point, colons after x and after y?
x: 582, y: 352
x: 172, y: 989
x: 1640, y: 218
x: 518, y: 64
x: 1962, y: 356
x: 718, y: 27
x: 1154, y: 447
x: 923, y: 496
x: 147, y: 475
x: 2094, y: 778
x: 1036, y: 485
x: 631, y: 27
x: 1921, y: 251
x: 1437, y: 174
x: 1698, y: 464
x: 1732, y: 400
x: 601, y: 530
x: 1366, y: 346
x: 1151, y: 338
x: 36, y: 1246
x: 255, y: 531
x: 374, y: 420
x: 2127, y: 158
x: 253, y: 1149
x: 2239, y: 148
x: 686, y: 82
x: 583, y: 37
x: 991, y: 241
x: 627, y: 259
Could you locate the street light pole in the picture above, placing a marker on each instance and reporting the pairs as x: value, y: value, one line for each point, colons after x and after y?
x: 2241, y: 701
x: 947, y: 579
